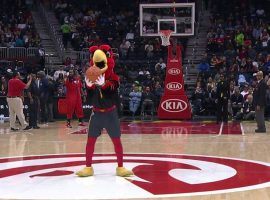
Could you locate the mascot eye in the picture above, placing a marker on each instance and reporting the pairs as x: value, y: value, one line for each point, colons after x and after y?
x: 108, y: 54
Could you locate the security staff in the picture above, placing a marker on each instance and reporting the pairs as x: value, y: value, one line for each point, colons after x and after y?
x: 259, y: 95
x: 222, y: 96
x: 32, y: 94
x: 15, y: 104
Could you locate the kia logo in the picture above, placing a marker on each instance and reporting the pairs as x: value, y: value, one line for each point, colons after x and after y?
x: 174, y: 105
x: 174, y: 86
x: 174, y: 71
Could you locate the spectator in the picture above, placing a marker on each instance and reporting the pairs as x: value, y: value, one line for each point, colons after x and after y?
x: 147, y: 101
x: 59, y: 71
x: 237, y: 101
x: 135, y: 100
x: 149, y: 50
x: 241, y: 79
x: 247, y: 112
x: 3, y: 84
x: 239, y: 39
x: 124, y: 48
x: 203, y: 67
x: 245, y: 91
x: 198, y: 100
x: 161, y: 65
x: 43, y: 95
x: 158, y: 92
x: 51, y: 91
x: 66, y: 31
x: 60, y: 86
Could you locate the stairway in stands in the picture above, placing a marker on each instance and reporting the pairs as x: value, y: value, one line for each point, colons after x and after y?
x: 53, y: 57
x: 196, y: 47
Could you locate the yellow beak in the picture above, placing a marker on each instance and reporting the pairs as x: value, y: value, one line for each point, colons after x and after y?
x: 99, y: 56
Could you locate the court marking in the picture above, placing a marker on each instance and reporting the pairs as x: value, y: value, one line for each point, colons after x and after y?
x: 174, y: 127
x: 257, y: 186
x: 242, y: 128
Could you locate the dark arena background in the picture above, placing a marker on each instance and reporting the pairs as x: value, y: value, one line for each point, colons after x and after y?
x: 194, y: 116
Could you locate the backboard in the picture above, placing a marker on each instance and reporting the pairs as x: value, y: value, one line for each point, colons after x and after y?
x: 178, y: 17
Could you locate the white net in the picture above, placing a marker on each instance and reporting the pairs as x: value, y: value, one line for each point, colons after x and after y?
x: 165, y: 37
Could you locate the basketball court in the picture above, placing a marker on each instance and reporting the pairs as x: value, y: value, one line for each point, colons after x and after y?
x: 176, y: 158
x: 170, y: 159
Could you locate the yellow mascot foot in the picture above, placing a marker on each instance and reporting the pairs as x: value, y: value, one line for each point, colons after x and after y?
x: 87, y: 171
x: 123, y: 172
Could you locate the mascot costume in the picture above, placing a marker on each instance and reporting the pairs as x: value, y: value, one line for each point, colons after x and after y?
x: 103, y: 85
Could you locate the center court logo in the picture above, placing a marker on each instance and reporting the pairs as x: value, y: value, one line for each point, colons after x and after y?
x: 156, y: 175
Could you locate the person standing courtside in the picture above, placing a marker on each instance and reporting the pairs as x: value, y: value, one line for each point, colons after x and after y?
x: 32, y: 93
x: 222, y: 96
x: 15, y: 104
x: 259, y: 95
x: 43, y: 95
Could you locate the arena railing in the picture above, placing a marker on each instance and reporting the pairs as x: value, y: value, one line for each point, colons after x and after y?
x: 17, y: 53
x: 3, y: 52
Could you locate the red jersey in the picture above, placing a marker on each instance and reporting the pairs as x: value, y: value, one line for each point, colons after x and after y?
x: 15, y: 87
x: 73, y: 88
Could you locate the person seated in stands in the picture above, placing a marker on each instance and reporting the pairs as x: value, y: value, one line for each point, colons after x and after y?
x: 239, y: 39
x: 247, y: 112
x: 245, y: 92
x: 147, y: 101
x: 267, y: 64
x: 158, y: 92
x: 132, y: 74
x: 198, y: 99
x: 204, y: 67
x: 211, y: 82
x: 68, y: 64
x: 264, y: 38
x: 135, y: 99
x: 215, y: 62
x: 149, y: 49
x: 143, y: 73
x: 161, y: 65
x: 148, y: 81
x: 236, y: 101
x: 241, y: 79
x: 124, y: 48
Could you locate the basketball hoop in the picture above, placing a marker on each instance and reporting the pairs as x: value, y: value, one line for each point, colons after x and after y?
x: 165, y: 37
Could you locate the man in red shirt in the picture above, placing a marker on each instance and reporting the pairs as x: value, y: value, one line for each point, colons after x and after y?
x: 15, y: 104
x: 74, y: 98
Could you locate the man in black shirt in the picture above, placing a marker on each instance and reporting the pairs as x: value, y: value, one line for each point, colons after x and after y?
x: 32, y: 93
x: 259, y: 96
x: 147, y: 100
x: 222, y: 96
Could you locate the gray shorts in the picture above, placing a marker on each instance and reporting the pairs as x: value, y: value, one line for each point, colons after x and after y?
x: 108, y: 120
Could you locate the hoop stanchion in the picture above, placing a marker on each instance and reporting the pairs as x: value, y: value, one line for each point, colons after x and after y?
x: 174, y: 103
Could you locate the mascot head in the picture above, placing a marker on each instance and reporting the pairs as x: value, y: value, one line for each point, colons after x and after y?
x: 102, y: 58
